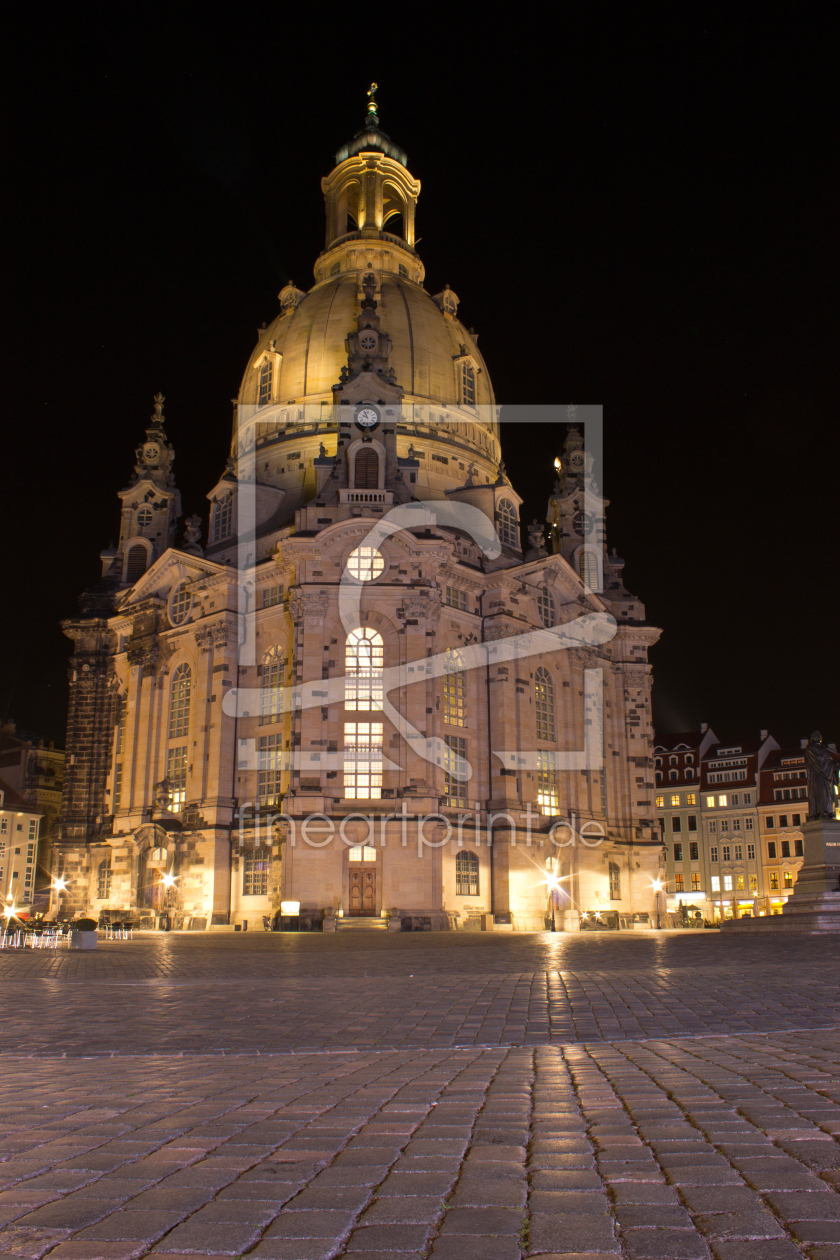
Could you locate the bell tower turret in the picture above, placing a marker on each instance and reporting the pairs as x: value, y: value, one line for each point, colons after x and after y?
x: 151, y: 507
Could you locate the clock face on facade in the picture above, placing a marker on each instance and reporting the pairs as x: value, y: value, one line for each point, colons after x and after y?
x: 577, y: 460
x: 368, y: 340
x: 150, y: 453
x: 367, y: 417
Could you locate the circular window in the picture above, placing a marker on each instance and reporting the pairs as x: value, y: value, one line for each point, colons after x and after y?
x: 180, y: 605
x: 144, y: 518
x: 365, y: 564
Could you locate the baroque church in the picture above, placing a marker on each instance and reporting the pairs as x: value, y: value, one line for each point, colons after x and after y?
x: 360, y: 701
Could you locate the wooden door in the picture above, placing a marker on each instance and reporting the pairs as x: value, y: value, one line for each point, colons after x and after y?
x: 363, y: 892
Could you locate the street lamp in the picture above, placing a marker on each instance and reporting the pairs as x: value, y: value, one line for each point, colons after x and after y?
x: 657, y: 889
x: 553, y: 884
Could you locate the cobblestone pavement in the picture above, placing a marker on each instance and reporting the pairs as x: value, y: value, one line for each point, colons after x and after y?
x: 692, y: 1112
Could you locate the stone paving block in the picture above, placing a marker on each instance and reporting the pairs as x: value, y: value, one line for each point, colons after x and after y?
x: 761, y: 1249
x: 404, y: 1184
x: 665, y: 1244
x: 643, y: 1192
x: 147, y: 1226
x: 212, y: 1237
x: 69, y: 1213
x: 816, y: 1231
x: 476, y: 1192
x: 403, y: 1211
x: 570, y: 1233
x: 90, y: 1250
x: 721, y: 1199
x: 340, y: 1198
x: 486, y: 1221
x: 322, y: 1223
x: 653, y: 1218
x: 806, y: 1207
x: 458, y: 1247
x: 294, y: 1249
x: 398, y: 1238
x: 740, y: 1225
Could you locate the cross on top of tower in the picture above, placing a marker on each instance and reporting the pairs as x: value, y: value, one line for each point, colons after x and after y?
x: 372, y: 108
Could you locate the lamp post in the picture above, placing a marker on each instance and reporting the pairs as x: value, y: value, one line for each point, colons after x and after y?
x: 657, y: 889
x: 551, y: 881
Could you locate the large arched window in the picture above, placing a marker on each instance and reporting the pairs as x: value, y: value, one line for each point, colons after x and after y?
x: 466, y: 874
x: 136, y: 563
x: 454, y: 689
x: 223, y: 518
x: 544, y: 703
x: 271, y: 687
x: 366, y: 470
x: 508, y: 523
x: 103, y: 880
x: 179, y: 703
x: 363, y: 669
x: 589, y: 568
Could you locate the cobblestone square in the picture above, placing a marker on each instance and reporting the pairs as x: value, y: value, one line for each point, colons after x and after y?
x: 487, y: 1095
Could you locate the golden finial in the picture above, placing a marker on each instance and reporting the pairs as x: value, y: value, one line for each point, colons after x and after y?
x: 372, y: 106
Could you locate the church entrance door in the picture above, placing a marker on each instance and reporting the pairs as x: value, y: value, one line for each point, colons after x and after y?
x: 363, y: 891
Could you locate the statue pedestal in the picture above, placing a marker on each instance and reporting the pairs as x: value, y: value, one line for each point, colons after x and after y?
x: 814, y: 905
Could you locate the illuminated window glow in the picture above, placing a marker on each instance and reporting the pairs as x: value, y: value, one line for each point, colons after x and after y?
x: 179, y: 703
x: 365, y: 564
x: 363, y: 669
x: 466, y: 874
x: 544, y: 704
x: 271, y: 687
x: 363, y: 760
x: 255, y: 873
x: 176, y: 773
x: 454, y: 689
x: 547, y: 795
x: 454, y: 774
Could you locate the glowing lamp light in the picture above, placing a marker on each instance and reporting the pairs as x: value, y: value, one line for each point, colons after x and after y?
x: 657, y: 885
x: 169, y: 880
x: 10, y: 911
x: 584, y: 914
x: 60, y: 884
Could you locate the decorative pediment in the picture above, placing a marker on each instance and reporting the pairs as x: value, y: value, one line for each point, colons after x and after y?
x: 173, y: 568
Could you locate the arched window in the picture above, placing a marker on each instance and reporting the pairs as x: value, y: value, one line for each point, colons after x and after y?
x: 362, y: 853
x: 103, y: 881
x: 363, y: 669
x: 266, y: 375
x: 544, y: 702
x: 223, y: 519
x: 366, y: 470
x: 255, y: 873
x: 673, y: 774
x: 271, y: 687
x: 466, y: 873
x: 615, y: 882
x: 179, y: 703
x: 454, y: 689
x: 589, y: 568
x: 136, y: 564
x: 508, y: 524
x: 659, y: 776
x: 547, y: 609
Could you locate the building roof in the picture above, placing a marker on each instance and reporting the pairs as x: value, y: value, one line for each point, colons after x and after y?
x: 691, y: 740
x: 14, y: 801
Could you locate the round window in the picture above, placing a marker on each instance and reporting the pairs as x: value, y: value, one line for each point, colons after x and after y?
x: 144, y: 518
x: 365, y: 564
x: 180, y: 605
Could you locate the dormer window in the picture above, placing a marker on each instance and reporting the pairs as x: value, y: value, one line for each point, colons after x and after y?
x: 144, y: 518
x: 508, y: 523
x: 467, y: 385
x: 223, y: 519
x: 266, y: 379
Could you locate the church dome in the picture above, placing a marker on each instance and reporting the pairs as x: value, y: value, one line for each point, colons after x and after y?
x: 429, y: 344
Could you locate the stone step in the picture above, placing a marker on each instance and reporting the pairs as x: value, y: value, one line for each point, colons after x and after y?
x: 359, y: 924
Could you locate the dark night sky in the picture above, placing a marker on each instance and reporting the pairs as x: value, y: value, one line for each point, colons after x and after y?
x: 637, y: 206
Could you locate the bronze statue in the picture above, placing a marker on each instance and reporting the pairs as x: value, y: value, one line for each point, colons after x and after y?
x: 823, y: 769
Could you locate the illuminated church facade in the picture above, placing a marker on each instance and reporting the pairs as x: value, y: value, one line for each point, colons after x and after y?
x: 360, y: 699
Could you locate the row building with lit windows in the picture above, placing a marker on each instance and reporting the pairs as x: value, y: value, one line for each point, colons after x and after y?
x: 730, y: 817
x: 361, y: 677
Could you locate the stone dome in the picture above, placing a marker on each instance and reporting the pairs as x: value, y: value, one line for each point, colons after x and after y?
x: 429, y: 344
